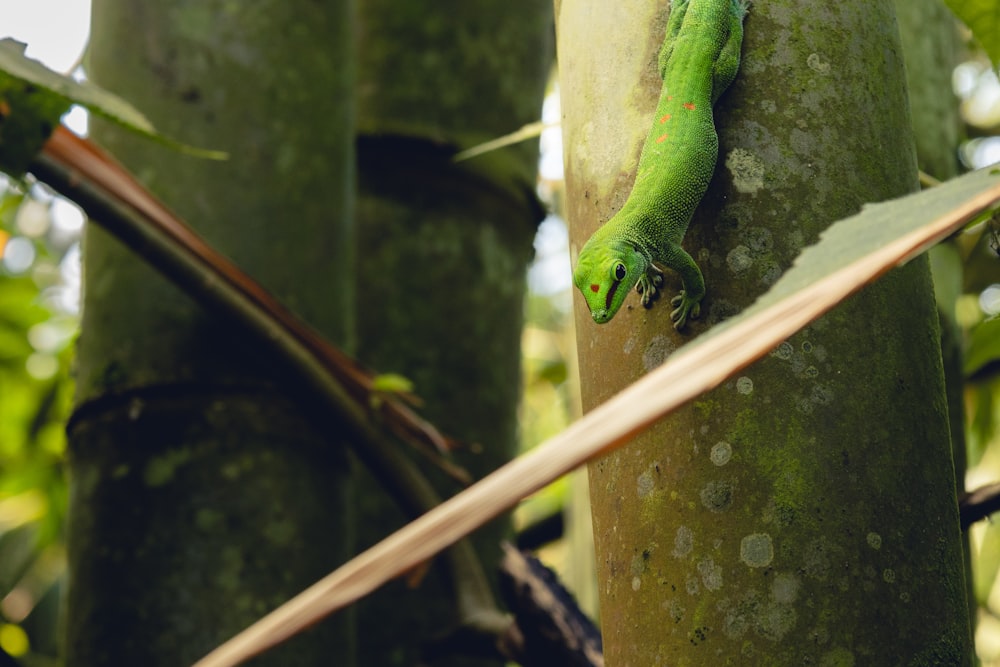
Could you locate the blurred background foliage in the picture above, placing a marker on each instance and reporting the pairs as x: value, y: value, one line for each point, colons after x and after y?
x: 39, y: 314
x: 975, y: 267
x: 39, y: 286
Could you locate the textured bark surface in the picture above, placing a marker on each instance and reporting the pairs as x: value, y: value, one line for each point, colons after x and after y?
x: 444, y: 249
x: 804, y: 512
x: 932, y: 47
x: 201, y: 495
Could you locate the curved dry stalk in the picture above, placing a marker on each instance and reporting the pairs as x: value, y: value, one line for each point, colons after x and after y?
x: 113, y: 199
x: 91, y: 172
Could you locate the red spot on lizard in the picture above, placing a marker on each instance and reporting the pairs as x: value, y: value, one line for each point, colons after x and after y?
x: 665, y: 118
x: 660, y: 139
x: 595, y: 288
x: 689, y: 106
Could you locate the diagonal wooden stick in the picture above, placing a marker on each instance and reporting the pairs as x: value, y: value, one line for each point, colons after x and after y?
x: 90, y: 170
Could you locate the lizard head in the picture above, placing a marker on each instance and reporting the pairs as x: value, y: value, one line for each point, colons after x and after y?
x: 605, y: 272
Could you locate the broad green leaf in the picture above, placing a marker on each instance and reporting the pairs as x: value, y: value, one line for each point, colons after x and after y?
x: 984, y: 348
x: 96, y: 99
x: 878, y: 225
x: 33, y: 98
x: 29, y: 114
x: 983, y: 19
x: 981, y: 422
x: 984, y: 572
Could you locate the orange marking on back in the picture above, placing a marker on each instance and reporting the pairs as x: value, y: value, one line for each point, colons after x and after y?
x: 670, y: 97
x: 689, y: 106
x: 660, y: 139
x: 595, y: 288
x: 665, y: 118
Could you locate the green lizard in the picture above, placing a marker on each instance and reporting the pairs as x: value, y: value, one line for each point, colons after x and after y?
x: 699, y: 59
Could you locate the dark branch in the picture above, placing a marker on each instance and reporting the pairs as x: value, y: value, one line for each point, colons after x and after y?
x: 549, y: 628
x: 978, y: 504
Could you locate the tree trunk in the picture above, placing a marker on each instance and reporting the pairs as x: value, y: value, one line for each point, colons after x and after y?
x: 931, y: 44
x: 803, y: 513
x: 201, y: 496
x: 931, y: 49
x: 444, y: 249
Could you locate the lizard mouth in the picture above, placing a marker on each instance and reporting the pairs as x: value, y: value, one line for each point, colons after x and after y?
x: 611, y: 294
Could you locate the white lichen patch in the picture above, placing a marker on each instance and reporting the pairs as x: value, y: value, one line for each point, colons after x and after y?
x: 735, y: 624
x: 645, y: 484
x: 636, y: 583
x: 656, y: 352
x: 757, y: 550
x: 674, y: 608
x: 746, y: 170
x: 744, y: 385
x: 759, y: 240
x: 711, y: 574
x: 784, y: 351
x: 821, y: 394
x: 717, y: 496
x: 640, y: 563
x: 775, y: 621
x: 739, y: 259
x: 683, y: 542
x: 785, y: 588
x: 772, y: 272
x: 817, y: 64
x: 874, y: 540
x: 721, y: 453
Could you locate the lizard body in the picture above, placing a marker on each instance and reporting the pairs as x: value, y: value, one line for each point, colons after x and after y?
x: 699, y: 59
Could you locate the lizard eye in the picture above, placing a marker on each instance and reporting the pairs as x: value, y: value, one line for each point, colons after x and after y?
x: 619, y: 271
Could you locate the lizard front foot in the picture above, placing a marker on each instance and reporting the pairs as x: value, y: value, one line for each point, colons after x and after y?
x: 685, y: 307
x: 649, y: 286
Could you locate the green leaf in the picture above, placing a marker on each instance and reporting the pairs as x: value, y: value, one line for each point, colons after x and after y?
x: 16, y: 64
x: 29, y: 114
x: 981, y: 421
x: 983, y: 19
x: 392, y: 383
x: 36, y: 97
x: 984, y: 572
x: 984, y: 348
